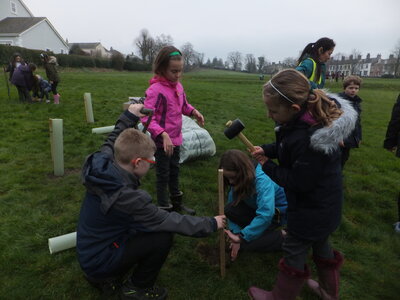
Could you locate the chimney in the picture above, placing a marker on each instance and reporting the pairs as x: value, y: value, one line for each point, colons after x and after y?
x: 343, y: 58
x: 359, y: 57
x: 351, y: 57
x: 368, y: 56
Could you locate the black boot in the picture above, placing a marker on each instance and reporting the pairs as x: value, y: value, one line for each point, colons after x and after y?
x: 177, y: 205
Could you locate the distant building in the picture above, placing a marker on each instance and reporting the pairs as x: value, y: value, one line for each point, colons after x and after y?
x: 365, y: 67
x: 18, y: 27
x: 93, y: 49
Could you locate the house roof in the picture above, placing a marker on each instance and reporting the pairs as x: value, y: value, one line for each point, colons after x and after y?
x: 85, y: 45
x: 18, y: 25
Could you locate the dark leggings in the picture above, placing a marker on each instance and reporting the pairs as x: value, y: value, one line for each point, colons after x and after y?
x: 242, y: 214
x: 54, y: 87
x: 23, y: 94
x: 167, y: 170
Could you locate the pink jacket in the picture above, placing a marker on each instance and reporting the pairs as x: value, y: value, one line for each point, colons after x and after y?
x: 168, y: 100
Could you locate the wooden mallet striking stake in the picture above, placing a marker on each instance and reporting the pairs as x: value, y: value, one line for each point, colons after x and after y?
x: 221, y: 212
x: 233, y: 129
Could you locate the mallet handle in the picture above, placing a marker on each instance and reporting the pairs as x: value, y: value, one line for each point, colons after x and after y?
x: 246, y: 141
x: 221, y: 212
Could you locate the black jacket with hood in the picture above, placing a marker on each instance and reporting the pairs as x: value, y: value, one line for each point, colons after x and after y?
x: 310, y: 172
x: 115, y: 208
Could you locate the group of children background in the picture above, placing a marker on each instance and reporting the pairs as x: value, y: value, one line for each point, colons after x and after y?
x: 121, y: 230
x: 21, y: 74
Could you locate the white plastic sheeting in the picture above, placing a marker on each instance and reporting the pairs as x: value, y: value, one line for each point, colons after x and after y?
x: 197, y: 142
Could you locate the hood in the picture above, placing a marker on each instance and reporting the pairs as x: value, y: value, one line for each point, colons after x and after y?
x: 103, y: 178
x: 327, y: 139
x: 52, y: 60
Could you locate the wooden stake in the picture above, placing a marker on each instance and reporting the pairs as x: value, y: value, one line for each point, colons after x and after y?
x: 87, y: 97
x: 57, y: 145
x: 221, y: 212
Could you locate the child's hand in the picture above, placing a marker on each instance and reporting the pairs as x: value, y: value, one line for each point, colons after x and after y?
x: 199, y: 117
x: 233, y: 238
x: 235, y: 247
x: 135, y: 109
x: 167, y: 144
x: 259, y: 155
x: 221, y: 221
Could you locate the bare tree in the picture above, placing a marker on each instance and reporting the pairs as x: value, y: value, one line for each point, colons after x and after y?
x: 250, y: 63
x: 145, y: 44
x: 260, y: 64
x: 198, y: 58
x: 162, y: 41
x: 188, y: 54
x: 235, y: 59
x: 355, y: 61
x: 396, y: 54
x: 290, y: 62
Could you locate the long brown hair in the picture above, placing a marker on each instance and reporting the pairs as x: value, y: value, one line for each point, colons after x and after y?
x: 238, y: 162
x: 295, y: 86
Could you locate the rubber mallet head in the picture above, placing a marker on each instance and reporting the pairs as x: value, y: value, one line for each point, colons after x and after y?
x: 234, y: 128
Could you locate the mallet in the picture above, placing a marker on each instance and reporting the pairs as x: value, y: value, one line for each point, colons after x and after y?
x: 149, y: 112
x: 233, y: 129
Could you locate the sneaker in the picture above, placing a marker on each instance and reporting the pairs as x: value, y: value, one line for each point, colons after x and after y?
x: 47, y: 101
x: 129, y: 291
x: 167, y: 207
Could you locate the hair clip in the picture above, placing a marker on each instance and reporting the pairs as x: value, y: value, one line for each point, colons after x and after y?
x: 175, y: 53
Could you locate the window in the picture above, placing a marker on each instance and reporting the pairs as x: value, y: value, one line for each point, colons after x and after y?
x: 9, y: 43
x: 13, y: 7
x: 62, y: 51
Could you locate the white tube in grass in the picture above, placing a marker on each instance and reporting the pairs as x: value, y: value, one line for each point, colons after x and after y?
x: 100, y: 130
x: 62, y: 242
x: 57, y: 145
x: 87, y: 97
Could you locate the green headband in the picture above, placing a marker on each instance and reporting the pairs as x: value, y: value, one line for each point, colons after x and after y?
x: 174, y: 53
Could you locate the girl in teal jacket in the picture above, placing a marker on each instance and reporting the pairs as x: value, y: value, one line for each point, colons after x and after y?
x: 256, y: 205
x: 312, y: 61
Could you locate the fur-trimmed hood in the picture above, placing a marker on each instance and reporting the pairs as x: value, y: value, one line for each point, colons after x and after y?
x: 327, y: 139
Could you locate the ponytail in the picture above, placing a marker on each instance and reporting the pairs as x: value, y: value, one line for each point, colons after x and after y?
x: 307, y: 51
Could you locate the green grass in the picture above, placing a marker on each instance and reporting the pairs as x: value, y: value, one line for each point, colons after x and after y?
x: 35, y: 205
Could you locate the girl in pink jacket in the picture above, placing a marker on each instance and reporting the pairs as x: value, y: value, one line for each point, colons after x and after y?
x: 167, y: 98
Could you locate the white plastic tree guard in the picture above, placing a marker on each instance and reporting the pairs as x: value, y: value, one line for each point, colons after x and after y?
x: 87, y: 98
x: 62, y: 242
x: 57, y: 145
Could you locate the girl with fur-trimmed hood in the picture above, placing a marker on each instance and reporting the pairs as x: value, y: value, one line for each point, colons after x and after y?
x: 311, y: 125
x: 50, y: 65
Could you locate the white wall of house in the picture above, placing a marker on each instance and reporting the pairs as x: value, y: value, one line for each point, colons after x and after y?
x: 13, y: 8
x: 42, y: 37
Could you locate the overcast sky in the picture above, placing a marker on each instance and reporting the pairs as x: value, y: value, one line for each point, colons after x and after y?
x: 274, y: 28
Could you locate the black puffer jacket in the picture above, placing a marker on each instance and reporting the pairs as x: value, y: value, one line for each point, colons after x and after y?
x: 393, y: 130
x: 310, y: 172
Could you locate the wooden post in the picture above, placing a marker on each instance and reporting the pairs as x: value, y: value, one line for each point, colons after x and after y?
x: 87, y: 97
x: 57, y: 146
x: 221, y: 212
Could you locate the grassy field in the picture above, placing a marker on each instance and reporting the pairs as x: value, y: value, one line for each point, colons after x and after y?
x: 35, y: 205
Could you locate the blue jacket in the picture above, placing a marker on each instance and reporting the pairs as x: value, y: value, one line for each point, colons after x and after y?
x: 44, y: 85
x: 115, y: 208
x: 307, y: 68
x: 268, y: 196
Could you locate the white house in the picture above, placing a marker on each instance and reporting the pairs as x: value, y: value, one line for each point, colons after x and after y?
x: 18, y: 27
x: 93, y: 49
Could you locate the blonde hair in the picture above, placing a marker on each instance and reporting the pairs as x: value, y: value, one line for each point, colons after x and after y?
x: 131, y: 144
x: 296, y: 87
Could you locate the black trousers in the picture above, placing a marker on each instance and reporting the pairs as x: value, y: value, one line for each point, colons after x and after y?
x: 167, y: 171
x: 146, y: 253
x: 23, y: 94
x: 242, y: 215
x: 54, y: 87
